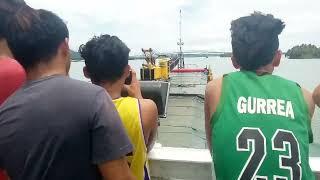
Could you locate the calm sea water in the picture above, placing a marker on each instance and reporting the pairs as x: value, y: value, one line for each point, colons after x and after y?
x: 305, y: 72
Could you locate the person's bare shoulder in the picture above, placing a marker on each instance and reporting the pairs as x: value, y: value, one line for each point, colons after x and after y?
x: 215, y: 83
x: 148, y: 106
x: 308, y: 98
x: 316, y: 96
x: 213, y: 92
x: 212, y: 97
x: 149, y: 113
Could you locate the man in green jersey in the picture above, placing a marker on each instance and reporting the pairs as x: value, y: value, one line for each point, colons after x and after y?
x: 258, y: 124
x: 316, y: 96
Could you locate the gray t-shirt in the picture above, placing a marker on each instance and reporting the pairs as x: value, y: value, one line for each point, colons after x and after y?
x: 57, y: 128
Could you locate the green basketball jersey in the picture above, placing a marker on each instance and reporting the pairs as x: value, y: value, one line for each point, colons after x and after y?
x: 261, y: 129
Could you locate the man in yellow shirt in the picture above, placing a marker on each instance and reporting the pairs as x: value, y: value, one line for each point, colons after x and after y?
x: 106, y: 58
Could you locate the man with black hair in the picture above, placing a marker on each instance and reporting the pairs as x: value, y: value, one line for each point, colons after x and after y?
x: 56, y: 128
x: 258, y: 125
x: 106, y: 58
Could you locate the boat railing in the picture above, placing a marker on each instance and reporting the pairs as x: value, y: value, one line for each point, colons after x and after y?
x: 192, y: 164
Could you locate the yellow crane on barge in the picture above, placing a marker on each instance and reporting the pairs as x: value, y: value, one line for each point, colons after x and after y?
x: 159, y: 68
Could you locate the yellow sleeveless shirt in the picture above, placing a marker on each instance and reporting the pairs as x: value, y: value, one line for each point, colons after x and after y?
x: 129, y: 111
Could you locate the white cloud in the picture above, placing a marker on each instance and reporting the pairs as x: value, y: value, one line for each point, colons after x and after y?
x: 154, y: 23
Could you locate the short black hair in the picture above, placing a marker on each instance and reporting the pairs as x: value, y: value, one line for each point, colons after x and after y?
x: 35, y: 35
x: 7, y: 9
x: 255, y: 39
x: 105, y: 57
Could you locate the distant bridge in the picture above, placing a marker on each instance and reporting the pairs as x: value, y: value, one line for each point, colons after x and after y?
x: 189, y: 54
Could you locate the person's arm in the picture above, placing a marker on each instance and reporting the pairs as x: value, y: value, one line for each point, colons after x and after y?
x: 116, y: 169
x: 316, y: 96
x: 133, y: 89
x: 309, y: 100
x: 149, y: 111
x: 149, y: 115
x: 212, y: 97
x: 311, y: 106
x: 110, y: 143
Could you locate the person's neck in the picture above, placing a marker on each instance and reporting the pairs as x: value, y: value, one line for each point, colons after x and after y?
x: 43, y: 70
x: 113, y: 89
x: 268, y: 69
x: 4, y: 49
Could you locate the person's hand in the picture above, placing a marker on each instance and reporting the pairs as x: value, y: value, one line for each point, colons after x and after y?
x: 134, y: 89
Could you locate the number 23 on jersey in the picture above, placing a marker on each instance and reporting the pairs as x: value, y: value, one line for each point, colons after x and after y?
x: 282, y: 140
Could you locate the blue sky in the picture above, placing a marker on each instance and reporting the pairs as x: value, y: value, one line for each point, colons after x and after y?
x: 206, y: 23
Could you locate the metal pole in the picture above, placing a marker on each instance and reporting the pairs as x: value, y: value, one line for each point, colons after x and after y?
x: 180, y: 43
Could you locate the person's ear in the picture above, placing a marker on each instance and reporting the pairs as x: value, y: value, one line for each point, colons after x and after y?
x: 85, y: 72
x: 64, y: 54
x: 126, y: 72
x: 277, y: 58
x: 64, y: 48
x: 234, y: 62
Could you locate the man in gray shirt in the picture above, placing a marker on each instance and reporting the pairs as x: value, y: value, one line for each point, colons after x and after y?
x: 56, y: 128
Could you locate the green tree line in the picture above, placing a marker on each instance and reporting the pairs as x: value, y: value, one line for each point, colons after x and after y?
x: 304, y: 51
x: 75, y: 55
